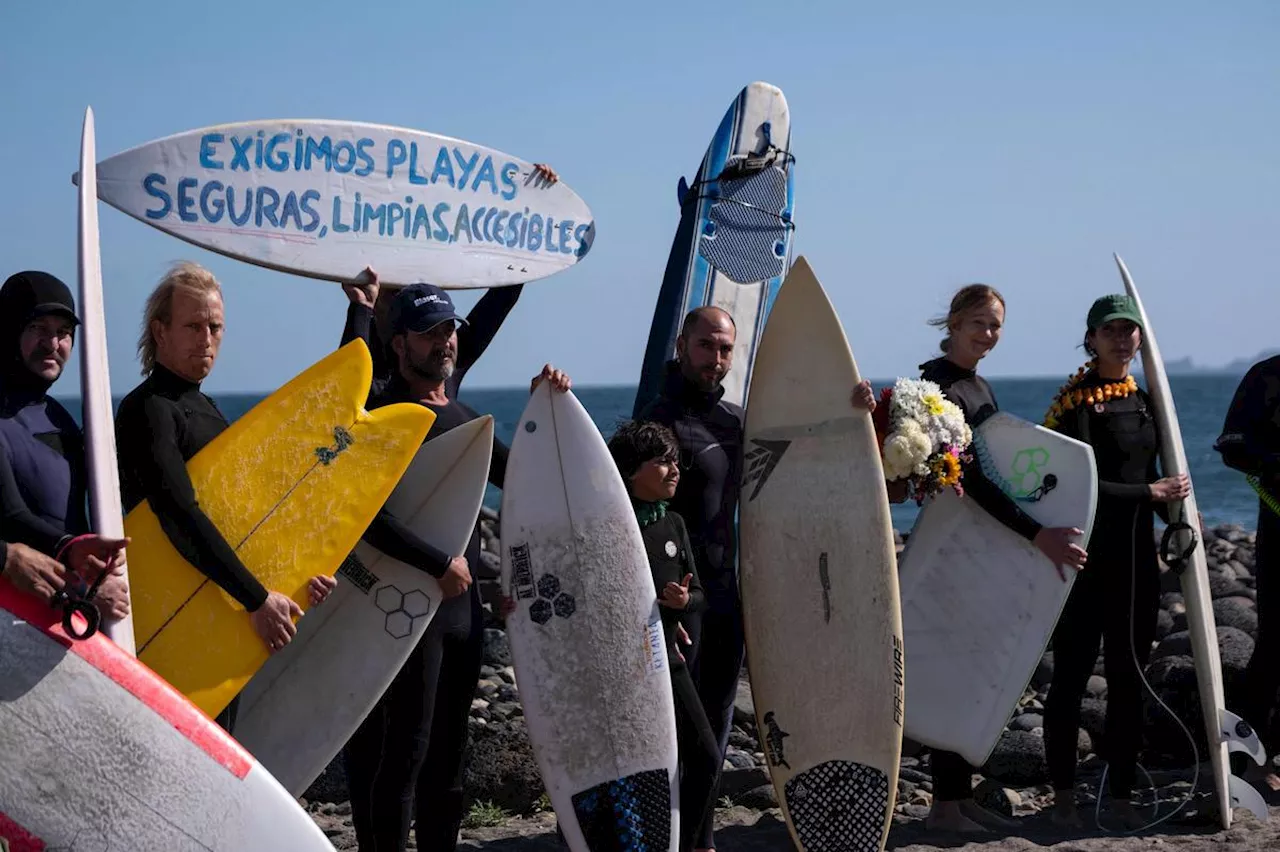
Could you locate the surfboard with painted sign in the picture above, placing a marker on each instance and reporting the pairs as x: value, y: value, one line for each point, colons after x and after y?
x: 323, y: 199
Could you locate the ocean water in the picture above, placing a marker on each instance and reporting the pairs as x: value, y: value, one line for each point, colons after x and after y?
x: 1202, y: 402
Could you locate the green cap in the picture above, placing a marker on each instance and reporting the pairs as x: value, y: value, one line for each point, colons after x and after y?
x: 1113, y: 307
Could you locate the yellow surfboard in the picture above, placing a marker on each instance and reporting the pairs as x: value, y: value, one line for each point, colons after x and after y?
x: 292, y: 485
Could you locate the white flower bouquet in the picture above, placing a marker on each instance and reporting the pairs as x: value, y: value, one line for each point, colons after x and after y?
x: 924, y: 439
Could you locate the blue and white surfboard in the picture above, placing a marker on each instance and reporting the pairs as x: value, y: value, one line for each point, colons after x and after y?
x: 733, y: 245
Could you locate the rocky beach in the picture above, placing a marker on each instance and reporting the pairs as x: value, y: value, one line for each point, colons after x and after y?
x: 508, y: 809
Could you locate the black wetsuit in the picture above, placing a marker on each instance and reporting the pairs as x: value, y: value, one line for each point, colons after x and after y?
x: 1116, y: 598
x: 670, y: 558
x: 405, y: 761
x: 42, y: 474
x: 709, y: 433
x: 160, y: 425
x: 1250, y: 443
x: 952, y: 774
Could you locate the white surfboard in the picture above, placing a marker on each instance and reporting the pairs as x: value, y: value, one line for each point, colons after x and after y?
x: 100, y: 753
x: 106, y: 514
x: 1225, y: 731
x: 979, y: 601
x: 586, y: 638
x: 348, y: 650
x: 819, y: 591
x: 323, y: 199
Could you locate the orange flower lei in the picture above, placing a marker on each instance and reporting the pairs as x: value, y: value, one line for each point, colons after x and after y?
x: 1069, y: 395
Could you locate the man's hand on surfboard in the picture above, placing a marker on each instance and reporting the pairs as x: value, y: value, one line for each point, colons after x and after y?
x: 319, y: 587
x: 33, y: 572
x: 559, y: 379
x: 456, y: 578
x: 88, y: 555
x: 544, y: 174
x: 863, y: 397
x: 274, y: 620
x: 364, y: 289
x: 1056, y: 543
x: 112, y: 597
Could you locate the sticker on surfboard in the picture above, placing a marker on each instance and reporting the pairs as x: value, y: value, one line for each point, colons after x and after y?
x: 323, y: 199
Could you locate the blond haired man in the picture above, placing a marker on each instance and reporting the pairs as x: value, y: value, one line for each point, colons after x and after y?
x: 165, y: 421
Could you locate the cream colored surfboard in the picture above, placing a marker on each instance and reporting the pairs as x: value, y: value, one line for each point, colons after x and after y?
x: 819, y: 584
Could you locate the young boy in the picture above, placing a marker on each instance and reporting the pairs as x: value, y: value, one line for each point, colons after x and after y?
x: 646, y: 455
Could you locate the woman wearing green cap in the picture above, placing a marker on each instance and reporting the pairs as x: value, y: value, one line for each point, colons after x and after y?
x: 1116, y: 598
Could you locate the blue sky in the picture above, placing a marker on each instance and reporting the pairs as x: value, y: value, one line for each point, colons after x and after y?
x: 935, y: 146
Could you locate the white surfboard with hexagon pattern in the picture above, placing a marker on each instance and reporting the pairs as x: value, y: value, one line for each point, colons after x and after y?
x: 587, y: 642
x: 349, y: 649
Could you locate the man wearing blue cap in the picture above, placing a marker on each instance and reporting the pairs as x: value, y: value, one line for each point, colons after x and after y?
x: 42, y: 461
x: 404, y: 763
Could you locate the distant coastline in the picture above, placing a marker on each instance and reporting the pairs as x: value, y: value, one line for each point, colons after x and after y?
x: 1188, y: 367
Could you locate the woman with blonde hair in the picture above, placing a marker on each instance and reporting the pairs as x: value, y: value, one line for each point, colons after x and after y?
x: 973, y: 324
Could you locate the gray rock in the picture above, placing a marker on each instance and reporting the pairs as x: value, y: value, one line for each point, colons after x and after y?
x: 1097, y: 686
x: 1164, y: 623
x: 995, y: 797
x: 497, y: 650
x: 490, y: 567
x: 738, y: 759
x: 1173, y: 672
x: 741, y: 740
x: 490, y: 515
x: 735, y: 781
x: 744, y: 708
x: 914, y: 776
x: 1093, y: 719
x: 1238, y: 612
x: 1241, y: 571
x: 503, y: 711
x: 1177, y: 644
x: 1223, y: 584
x: 1018, y: 760
x: 761, y: 798
x: 1026, y: 722
x: 1172, y: 602
x: 1235, y: 648
x: 501, y: 768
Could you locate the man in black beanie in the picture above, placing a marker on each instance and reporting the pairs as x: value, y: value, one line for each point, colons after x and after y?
x: 42, y: 456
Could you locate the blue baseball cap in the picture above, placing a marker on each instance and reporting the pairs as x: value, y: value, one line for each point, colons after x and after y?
x: 421, y: 307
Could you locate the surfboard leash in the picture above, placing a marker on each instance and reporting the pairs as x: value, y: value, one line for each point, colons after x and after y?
x: 78, y: 599
x: 1265, y: 496
x: 1133, y: 652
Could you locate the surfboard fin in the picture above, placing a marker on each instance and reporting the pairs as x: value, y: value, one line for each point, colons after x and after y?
x: 682, y: 190
x: 1240, y: 736
x: 1243, y: 795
